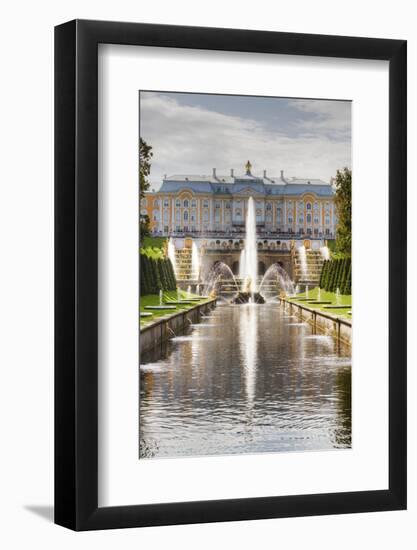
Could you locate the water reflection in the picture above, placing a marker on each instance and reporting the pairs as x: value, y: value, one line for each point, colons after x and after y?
x: 248, y: 379
x: 248, y: 341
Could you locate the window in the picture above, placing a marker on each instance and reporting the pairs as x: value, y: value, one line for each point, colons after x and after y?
x: 144, y: 202
x: 217, y: 204
x: 308, y: 206
x: 228, y: 205
x: 192, y: 218
x: 316, y: 206
x: 178, y: 228
x: 185, y: 216
x: 166, y: 229
x: 327, y: 220
x: 205, y: 203
x: 327, y: 232
x: 156, y: 203
x: 178, y: 203
x: 185, y: 203
x: 166, y: 203
x: 301, y: 231
x: 268, y: 206
x: 156, y: 216
x: 205, y: 215
x: 290, y: 220
x: 316, y: 219
x: 316, y: 231
x: 309, y: 218
x: 301, y: 219
x: 308, y: 230
x: 193, y: 203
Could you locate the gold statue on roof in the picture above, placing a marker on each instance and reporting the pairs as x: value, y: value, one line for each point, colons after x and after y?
x: 248, y: 167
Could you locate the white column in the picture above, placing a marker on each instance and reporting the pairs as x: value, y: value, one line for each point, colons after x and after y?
x: 285, y: 224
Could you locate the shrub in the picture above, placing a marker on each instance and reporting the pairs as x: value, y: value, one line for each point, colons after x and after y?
x: 156, y: 273
x: 336, y: 274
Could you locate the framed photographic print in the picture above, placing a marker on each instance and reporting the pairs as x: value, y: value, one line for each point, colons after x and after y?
x: 230, y: 275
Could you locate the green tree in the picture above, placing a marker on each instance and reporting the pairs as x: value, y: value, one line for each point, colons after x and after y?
x: 343, y: 200
x: 145, y: 156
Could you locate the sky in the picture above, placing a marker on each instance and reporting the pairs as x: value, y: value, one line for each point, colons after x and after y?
x: 194, y: 133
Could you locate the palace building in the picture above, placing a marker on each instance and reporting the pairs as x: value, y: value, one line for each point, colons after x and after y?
x: 201, y: 206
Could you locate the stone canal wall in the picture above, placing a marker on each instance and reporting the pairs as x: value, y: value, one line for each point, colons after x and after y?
x: 171, y: 325
x: 327, y: 324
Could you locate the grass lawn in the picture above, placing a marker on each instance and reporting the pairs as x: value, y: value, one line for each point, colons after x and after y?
x: 153, y: 242
x: 170, y: 295
x: 313, y: 294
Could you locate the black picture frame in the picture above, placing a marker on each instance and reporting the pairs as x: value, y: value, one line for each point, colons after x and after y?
x: 76, y: 273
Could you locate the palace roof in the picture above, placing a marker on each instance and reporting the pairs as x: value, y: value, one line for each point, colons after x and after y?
x: 221, y: 185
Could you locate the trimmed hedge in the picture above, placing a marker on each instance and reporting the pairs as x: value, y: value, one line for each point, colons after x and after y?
x: 156, y: 274
x: 337, y: 274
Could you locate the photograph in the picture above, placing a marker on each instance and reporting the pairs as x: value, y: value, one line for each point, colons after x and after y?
x: 245, y: 274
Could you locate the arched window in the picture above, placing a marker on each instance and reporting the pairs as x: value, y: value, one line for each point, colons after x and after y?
x: 156, y: 203
x: 308, y: 218
x: 309, y: 206
x: 185, y: 216
x: 178, y: 203
x: 185, y: 203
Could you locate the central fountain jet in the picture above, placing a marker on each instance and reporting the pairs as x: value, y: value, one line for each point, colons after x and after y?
x: 248, y: 265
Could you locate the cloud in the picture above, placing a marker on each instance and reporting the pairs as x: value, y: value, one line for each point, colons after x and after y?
x: 332, y: 118
x: 192, y: 140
